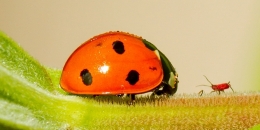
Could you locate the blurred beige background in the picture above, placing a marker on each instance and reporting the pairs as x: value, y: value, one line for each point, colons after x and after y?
x: 219, y: 39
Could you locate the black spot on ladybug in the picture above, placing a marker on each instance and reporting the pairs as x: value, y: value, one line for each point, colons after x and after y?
x: 118, y: 46
x: 86, y: 77
x: 132, y: 77
x: 152, y: 68
x: 99, y: 44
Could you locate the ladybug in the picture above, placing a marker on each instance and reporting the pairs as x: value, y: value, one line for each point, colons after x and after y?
x: 116, y: 63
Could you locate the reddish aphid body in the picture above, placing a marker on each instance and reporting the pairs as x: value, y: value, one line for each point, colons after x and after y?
x: 217, y: 87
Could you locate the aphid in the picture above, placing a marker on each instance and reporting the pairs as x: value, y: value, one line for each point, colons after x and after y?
x: 218, y: 87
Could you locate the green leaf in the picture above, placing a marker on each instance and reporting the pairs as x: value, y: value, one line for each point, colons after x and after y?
x: 256, y: 127
x: 31, y: 98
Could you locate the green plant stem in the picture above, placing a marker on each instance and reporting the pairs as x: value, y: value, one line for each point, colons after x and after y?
x: 30, y: 98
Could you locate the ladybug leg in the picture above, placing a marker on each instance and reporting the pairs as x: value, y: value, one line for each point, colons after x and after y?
x: 158, y: 91
x: 166, y: 89
x: 132, y: 99
x: 120, y: 95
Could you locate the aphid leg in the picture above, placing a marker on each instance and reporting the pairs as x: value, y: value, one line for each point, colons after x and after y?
x: 230, y: 86
x: 201, y: 92
x: 219, y: 91
x: 213, y: 91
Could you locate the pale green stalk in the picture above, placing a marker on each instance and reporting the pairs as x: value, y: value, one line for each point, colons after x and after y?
x: 30, y: 98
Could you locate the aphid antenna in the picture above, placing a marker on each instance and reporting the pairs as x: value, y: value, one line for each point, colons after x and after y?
x: 203, y: 85
x: 230, y: 86
x: 208, y: 80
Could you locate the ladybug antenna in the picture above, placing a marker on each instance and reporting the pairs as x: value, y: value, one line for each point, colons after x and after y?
x: 208, y: 80
x: 230, y: 86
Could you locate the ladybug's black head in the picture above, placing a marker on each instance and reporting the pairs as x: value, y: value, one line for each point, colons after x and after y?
x: 165, y: 88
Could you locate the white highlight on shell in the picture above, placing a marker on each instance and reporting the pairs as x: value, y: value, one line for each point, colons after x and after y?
x: 103, y: 69
x: 105, y: 92
x: 157, y: 54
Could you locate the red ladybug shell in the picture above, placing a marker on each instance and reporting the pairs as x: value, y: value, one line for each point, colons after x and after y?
x: 112, y: 63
